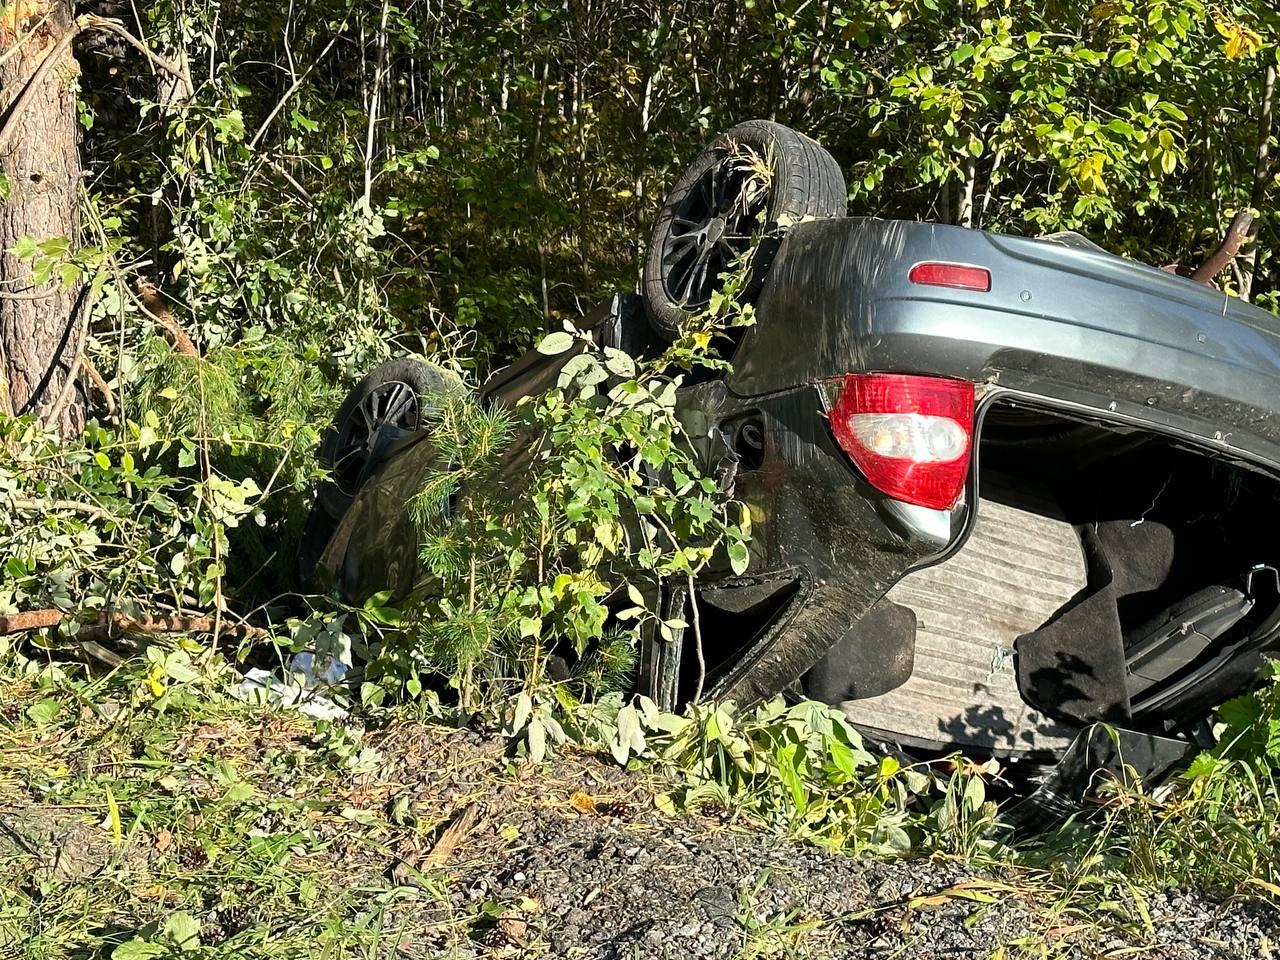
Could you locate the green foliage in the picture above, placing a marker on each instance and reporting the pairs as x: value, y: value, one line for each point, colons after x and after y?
x: 799, y: 769
x: 96, y: 524
x: 337, y: 186
x: 545, y: 527
x: 802, y: 769
x: 328, y: 186
x: 1216, y: 827
x: 470, y: 179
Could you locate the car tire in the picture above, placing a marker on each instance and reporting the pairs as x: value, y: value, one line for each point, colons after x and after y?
x: 717, y: 210
x: 406, y: 393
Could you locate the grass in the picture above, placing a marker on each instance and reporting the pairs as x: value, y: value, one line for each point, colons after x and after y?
x: 124, y: 823
x: 135, y: 826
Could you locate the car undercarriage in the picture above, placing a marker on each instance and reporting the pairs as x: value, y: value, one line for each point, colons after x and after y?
x: 1002, y: 489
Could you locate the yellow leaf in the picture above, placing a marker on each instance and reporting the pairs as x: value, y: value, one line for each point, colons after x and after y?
x: 583, y: 802
x: 1088, y: 173
x: 113, y: 815
x: 1241, y: 41
x: 664, y: 803
x: 1271, y: 888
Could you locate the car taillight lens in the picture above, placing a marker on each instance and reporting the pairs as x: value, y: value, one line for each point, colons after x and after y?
x: 909, y: 435
x: 958, y: 276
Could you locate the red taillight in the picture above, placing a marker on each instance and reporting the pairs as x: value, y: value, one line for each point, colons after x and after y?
x: 959, y: 276
x: 909, y: 435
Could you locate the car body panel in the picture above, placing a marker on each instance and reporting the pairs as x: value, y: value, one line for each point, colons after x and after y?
x: 1061, y: 320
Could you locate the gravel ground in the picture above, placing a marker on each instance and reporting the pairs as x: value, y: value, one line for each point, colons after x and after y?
x: 613, y: 877
x: 570, y: 858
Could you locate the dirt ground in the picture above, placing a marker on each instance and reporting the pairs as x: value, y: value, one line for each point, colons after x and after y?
x: 253, y: 834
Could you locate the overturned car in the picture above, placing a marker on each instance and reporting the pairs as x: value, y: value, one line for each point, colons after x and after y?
x: 1002, y: 488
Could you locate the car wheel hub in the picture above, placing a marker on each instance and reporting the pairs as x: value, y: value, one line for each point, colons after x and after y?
x: 392, y: 404
x: 708, y: 234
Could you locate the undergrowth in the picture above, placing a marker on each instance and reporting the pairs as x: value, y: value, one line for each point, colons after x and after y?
x: 193, y: 824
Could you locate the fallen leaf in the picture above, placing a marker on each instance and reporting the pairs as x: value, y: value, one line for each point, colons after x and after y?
x: 164, y: 840
x: 583, y: 802
x: 405, y: 874
x: 514, y: 929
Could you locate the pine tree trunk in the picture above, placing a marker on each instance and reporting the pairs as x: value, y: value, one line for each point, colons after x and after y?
x: 40, y: 159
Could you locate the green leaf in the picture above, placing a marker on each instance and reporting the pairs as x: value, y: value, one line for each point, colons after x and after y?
x: 238, y: 793
x: 1205, y: 765
x: 524, y: 709
x: 584, y: 368
x: 25, y: 248
x: 177, y: 666
x: 1123, y: 58
x: 788, y: 769
x: 975, y: 792
x: 377, y: 610
x: 739, y: 557
x: 537, y: 739
x: 137, y: 949
x: 555, y: 343
x: 619, y: 363
x: 43, y: 712
x: 182, y: 930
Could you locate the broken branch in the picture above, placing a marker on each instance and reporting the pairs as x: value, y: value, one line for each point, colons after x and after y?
x: 1226, y: 252
x: 75, y: 506
x: 108, y: 623
x: 89, y: 21
x: 150, y: 301
x: 452, y: 837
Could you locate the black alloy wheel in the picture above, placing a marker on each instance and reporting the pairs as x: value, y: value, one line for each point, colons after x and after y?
x: 711, y: 229
x: 390, y: 404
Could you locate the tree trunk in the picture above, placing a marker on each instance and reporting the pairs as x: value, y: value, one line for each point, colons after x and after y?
x: 40, y: 336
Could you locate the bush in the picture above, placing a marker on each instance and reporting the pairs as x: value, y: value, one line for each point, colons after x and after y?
x: 545, y: 528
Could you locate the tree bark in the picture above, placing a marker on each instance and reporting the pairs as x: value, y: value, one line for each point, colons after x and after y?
x: 39, y: 157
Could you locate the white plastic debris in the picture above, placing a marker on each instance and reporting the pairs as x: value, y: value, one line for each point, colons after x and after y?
x: 301, y: 689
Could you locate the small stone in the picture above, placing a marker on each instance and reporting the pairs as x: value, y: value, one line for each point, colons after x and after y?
x: 717, y: 902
